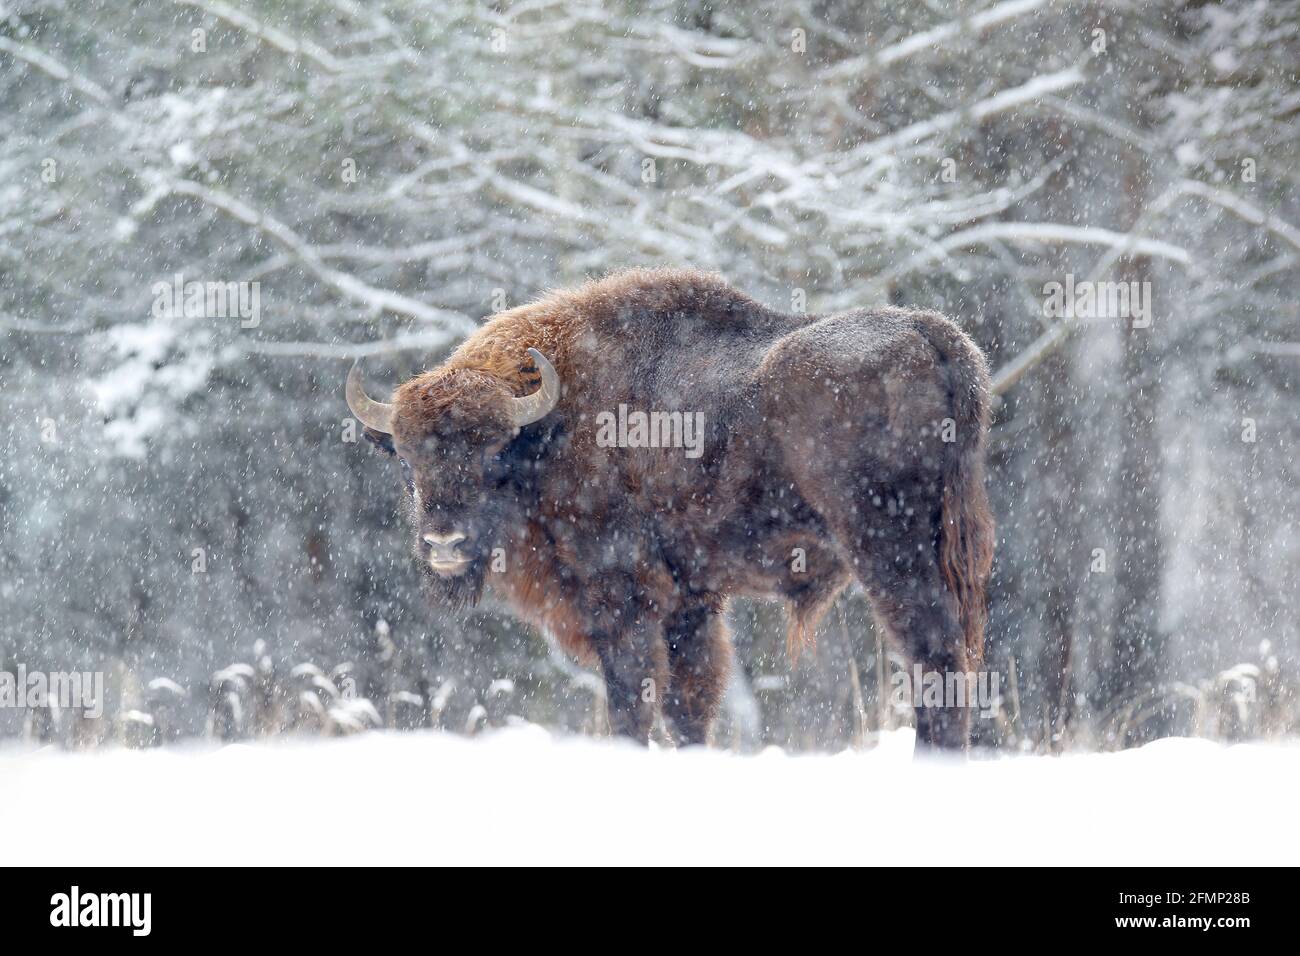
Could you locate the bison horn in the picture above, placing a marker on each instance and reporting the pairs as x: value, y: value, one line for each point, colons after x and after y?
x: 538, y: 405
x: 374, y: 415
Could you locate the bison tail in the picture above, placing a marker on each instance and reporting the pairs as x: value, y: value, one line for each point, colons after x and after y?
x: 965, y: 541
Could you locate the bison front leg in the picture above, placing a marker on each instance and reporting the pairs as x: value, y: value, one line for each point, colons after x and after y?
x: 942, y: 729
x: 628, y: 640
x: 699, y: 656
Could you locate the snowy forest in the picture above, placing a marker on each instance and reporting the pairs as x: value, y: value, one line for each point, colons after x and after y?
x: 187, y: 505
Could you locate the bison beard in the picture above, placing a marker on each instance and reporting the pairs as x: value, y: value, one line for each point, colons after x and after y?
x: 458, y: 591
x: 837, y: 447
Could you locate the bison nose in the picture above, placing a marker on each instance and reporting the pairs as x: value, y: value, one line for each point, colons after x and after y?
x: 444, y: 548
x: 444, y: 540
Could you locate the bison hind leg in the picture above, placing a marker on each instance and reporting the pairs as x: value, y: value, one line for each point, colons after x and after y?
x: 890, y: 534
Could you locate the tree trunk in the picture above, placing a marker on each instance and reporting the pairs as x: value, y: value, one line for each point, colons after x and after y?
x: 1137, y: 647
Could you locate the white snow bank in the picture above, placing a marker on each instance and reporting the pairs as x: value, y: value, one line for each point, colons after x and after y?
x: 521, y: 796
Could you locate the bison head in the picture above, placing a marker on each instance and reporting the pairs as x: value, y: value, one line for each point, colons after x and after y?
x: 450, y: 431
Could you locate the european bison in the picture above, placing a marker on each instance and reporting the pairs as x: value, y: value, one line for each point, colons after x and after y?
x: 552, y: 455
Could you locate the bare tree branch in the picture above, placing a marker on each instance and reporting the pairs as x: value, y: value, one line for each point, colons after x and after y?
x: 1287, y: 349
x: 1237, y: 206
x: 869, y: 63
x: 380, y: 300
x: 1039, y: 232
x: 1027, y: 92
x: 267, y: 34
x: 49, y: 65
x: 1053, y: 338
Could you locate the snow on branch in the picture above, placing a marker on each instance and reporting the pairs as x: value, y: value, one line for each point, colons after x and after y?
x: 705, y: 52
x: 543, y: 201
x: 434, y: 249
x: 267, y: 34
x: 1052, y: 232
x: 1039, y: 349
x: 971, y: 25
x: 49, y: 65
x: 1097, y: 120
x: 1052, y: 339
x: 1038, y: 232
x: 1027, y: 92
x: 41, y: 328
x: 1288, y: 349
x: 1237, y: 206
x: 379, y: 300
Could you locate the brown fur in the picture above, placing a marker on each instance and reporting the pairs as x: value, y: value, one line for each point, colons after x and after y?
x: 821, y: 434
x: 966, y: 537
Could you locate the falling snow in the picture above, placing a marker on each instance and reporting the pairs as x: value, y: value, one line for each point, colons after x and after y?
x: 188, y: 508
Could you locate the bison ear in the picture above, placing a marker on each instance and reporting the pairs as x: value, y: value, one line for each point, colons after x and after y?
x: 381, y: 440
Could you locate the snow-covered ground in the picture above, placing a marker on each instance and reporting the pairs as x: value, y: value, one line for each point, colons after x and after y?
x: 521, y: 796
